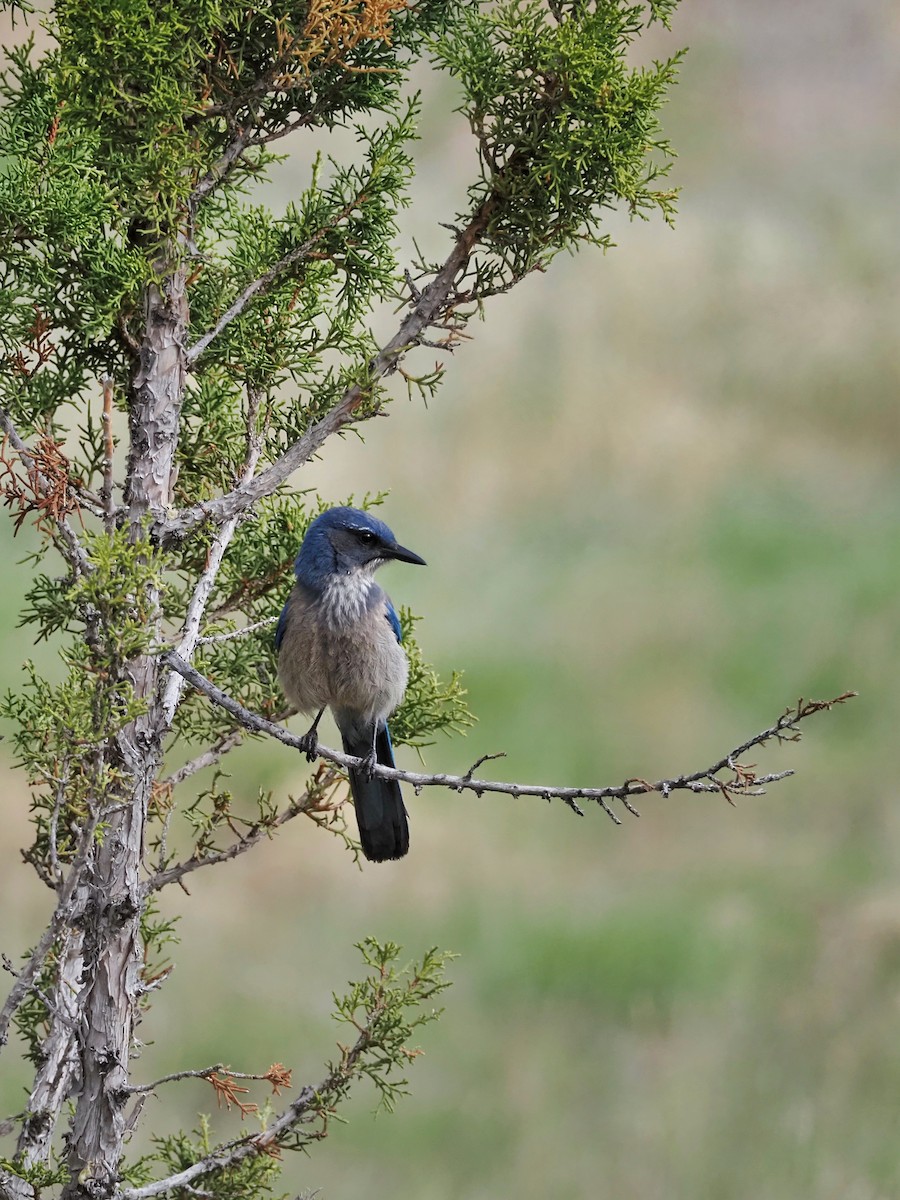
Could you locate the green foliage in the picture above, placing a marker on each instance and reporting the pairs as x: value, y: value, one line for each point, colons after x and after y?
x: 39, y: 1176
x: 431, y: 705
x: 565, y: 127
x: 255, y: 1175
x: 387, y: 1007
x: 130, y: 144
x: 383, y: 1012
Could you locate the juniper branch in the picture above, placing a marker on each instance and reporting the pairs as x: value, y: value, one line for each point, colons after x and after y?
x: 208, y: 758
x: 260, y: 285
x: 431, y: 302
x: 311, y: 1104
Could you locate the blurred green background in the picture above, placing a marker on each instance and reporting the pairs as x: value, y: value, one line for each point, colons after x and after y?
x: 658, y: 496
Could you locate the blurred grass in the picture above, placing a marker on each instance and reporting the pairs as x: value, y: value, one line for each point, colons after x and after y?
x: 659, y: 501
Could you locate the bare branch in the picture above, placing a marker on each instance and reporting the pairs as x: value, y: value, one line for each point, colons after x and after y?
x: 426, y: 309
x: 236, y: 633
x: 744, y: 779
x: 311, y: 803
x: 214, y: 557
x: 203, y: 1073
x: 208, y: 758
x: 106, y: 491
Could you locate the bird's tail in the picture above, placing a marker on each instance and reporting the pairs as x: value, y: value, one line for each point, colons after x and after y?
x: 380, y: 814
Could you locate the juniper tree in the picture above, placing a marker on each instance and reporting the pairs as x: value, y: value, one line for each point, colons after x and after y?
x: 173, y: 352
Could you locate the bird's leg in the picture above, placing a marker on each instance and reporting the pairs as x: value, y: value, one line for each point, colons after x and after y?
x: 309, y: 742
x: 370, y: 762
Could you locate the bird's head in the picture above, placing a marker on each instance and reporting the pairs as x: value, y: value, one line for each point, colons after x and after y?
x: 347, y: 541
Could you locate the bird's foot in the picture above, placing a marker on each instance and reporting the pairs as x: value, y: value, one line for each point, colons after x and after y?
x: 368, y: 764
x: 309, y: 745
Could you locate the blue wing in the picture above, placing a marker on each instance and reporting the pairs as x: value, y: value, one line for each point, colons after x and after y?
x: 280, y: 628
x: 390, y: 614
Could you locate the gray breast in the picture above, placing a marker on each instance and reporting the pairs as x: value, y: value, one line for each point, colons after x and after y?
x: 354, y: 663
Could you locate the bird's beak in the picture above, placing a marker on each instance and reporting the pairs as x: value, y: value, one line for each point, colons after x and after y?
x: 404, y: 555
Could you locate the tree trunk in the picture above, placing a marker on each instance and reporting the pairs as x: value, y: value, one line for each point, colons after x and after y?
x: 113, y: 947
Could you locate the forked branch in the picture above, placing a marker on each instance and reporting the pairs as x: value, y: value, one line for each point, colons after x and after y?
x: 429, y: 306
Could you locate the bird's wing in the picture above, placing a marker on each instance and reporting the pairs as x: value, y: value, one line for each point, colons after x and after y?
x: 280, y: 627
x: 390, y: 614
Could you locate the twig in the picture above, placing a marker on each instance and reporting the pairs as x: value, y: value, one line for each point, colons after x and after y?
x: 55, y: 871
x: 308, y: 1101
x: 262, y: 283
x: 248, y: 135
x: 236, y: 633
x: 208, y: 758
x: 226, y: 163
x: 106, y: 491
x: 431, y: 302
x: 254, y: 835
x: 276, y: 1075
x: 214, y: 557
x: 745, y: 782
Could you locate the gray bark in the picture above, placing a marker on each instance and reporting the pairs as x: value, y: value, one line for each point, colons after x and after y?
x: 54, y: 1080
x: 113, y: 949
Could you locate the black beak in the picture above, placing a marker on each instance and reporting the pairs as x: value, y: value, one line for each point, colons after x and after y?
x: 401, y: 553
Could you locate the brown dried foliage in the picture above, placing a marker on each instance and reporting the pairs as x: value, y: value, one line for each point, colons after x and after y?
x: 46, y: 490
x: 229, y: 1093
x: 332, y: 30
x: 38, y: 345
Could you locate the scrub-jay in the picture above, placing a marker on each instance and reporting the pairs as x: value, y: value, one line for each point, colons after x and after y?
x: 338, y: 642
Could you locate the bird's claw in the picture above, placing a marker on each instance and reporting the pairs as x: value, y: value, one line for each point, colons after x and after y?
x: 368, y: 764
x: 309, y: 745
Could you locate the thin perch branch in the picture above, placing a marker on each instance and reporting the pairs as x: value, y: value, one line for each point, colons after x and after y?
x: 744, y: 779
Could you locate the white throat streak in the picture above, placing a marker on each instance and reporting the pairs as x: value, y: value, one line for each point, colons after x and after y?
x: 346, y: 598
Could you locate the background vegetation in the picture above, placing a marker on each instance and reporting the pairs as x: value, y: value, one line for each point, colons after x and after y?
x: 658, y: 496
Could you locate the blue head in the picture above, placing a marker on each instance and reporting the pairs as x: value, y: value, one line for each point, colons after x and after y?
x: 347, y: 541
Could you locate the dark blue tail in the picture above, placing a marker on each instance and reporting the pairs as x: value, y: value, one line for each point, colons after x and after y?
x: 383, y: 827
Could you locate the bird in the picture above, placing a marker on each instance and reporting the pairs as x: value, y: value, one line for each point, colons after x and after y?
x: 339, y: 646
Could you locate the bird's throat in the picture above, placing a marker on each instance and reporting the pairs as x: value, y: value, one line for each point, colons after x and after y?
x: 347, y: 598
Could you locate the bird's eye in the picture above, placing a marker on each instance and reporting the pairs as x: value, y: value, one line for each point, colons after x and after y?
x: 366, y: 536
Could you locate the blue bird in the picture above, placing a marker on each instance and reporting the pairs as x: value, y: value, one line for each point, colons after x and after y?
x: 338, y: 642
